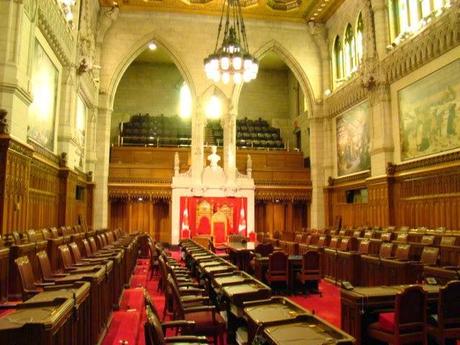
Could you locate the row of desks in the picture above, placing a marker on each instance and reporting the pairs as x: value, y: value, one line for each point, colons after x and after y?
x: 249, y: 305
x: 76, y: 309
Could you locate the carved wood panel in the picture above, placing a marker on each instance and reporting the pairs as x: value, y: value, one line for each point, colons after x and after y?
x: 427, y: 197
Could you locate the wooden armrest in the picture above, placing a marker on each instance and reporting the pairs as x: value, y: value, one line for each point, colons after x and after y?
x: 452, y: 268
x: 195, y: 299
x: 186, y: 339
x: 59, y: 275
x: 191, y: 289
x: 177, y: 324
x: 43, y: 284
x: 186, y: 283
x: 58, y: 287
x: 199, y: 308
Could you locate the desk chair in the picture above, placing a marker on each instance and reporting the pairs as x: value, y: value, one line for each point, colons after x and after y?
x: 207, y: 319
x: 311, y: 271
x: 446, y: 324
x: 154, y: 331
x: 429, y: 256
x: 407, y: 324
x: 278, y: 268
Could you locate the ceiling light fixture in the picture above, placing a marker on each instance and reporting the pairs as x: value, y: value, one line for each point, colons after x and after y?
x: 231, y: 61
x: 152, y: 46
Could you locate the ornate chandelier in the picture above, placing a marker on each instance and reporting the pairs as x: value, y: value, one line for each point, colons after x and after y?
x: 231, y: 61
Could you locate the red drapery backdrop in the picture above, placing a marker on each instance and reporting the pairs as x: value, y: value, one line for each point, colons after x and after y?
x: 198, y: 213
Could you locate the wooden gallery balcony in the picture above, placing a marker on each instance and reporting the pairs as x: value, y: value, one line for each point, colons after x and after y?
x: 140, y: 184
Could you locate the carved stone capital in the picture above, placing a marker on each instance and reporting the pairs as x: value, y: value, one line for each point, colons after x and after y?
x: 63, y: 160
x: 391, y: 168
x: 3, y: 121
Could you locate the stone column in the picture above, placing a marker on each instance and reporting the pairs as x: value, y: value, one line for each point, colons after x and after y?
x: 101, y: 175
x: 380, y: 11
x: 91, y: 140
x: 197, y: 150
x: 317, y: 139
x: 16, y: 32
x: 381, y: 132
x: 229, y: 126
x: 67, y: 111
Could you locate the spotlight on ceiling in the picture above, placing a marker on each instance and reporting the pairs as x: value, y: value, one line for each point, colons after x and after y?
x: 152, y: 46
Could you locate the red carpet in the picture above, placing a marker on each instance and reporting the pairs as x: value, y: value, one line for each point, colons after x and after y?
x: 124, y: 326
x: 326, y: 307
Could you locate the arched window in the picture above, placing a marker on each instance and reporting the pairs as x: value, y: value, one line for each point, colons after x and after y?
x: 409, y: 15
x: 359, y: 39
x: 185, y: 101
x: 349, y: 51
x: 338, y: 58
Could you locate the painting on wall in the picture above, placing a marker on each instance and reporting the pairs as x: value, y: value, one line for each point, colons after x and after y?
x: 44, y: 85
x: 429, y: 113
x: 352, y: 132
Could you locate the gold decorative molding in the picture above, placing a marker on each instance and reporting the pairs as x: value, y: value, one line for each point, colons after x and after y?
x: 136, y: 193
x: 279, y: 10
x: 285, y: 194
x: 428, y: 162
x: 284, y: 5
x: 350, y: 178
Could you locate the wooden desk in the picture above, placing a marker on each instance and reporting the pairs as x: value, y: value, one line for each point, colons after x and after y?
x: 267, y: 312
x: 233, y: 297
x: 100, y: 298
x: 79, y: 293
x: 240, y: 253
x: 294, y: 266
x: 442, y: 275
x: 360, y: 307
x: 348, y: 267
x: 306, y: 330
x: 40, y: 323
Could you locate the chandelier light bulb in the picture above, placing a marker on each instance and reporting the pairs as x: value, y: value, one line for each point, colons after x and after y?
x: 216, y: 77
x: 225, y: 63
x: 237, y: 63
x: 247, y: 77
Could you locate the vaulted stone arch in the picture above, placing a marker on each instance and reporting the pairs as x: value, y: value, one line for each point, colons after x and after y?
x: 277, y: 48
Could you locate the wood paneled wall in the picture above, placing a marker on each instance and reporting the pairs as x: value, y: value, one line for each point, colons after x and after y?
x: 151, y: 216
x: 424, y: 195
x: 36, y: 192
x: 282, y: 216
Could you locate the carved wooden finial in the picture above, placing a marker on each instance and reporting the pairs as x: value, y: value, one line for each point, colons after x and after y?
x: 3, y: 121
x: 63, y: 160
x: 391, y: 168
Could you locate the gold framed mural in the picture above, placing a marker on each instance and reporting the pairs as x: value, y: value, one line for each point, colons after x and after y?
x: 429, y: 113
x: 44, y: 85
x: 352, y: 138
